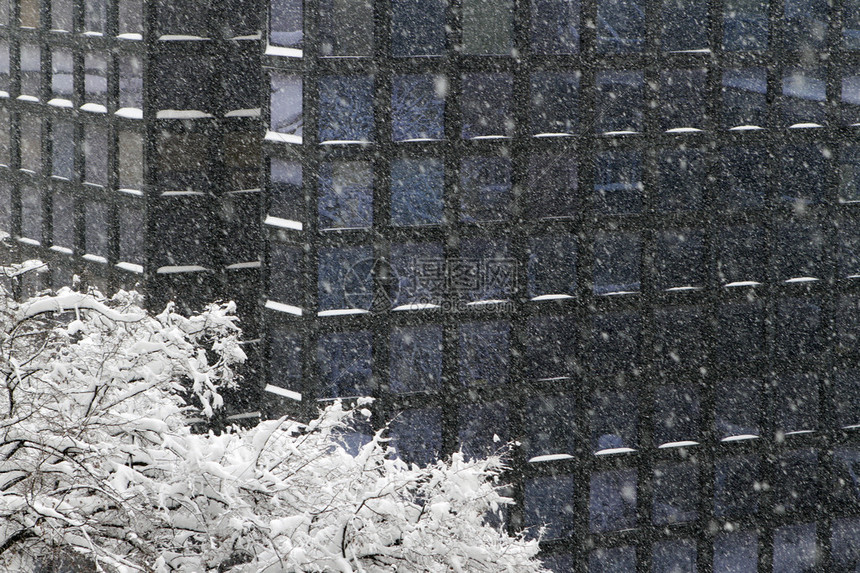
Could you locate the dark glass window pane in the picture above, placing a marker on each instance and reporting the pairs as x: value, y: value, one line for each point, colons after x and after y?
x: 679, y: 262
x: 417, y: 435
x: 614, y: 420
x: 794, y: 487
x: 745, y: 25
x: 344, y: 360
x: 28, y: 13
x: 483, y: 428
x: 180, y: 157
x: 486, y: 105
x: 741, y: 337
x: 61, y: 15
x: 5, y: 137
x: 805, y: 24
x: 555, y: 102
x: 95, y: 16
x: 851, y: 24
x: 488, y: 27
x: 620, y: 26
x: 745, y: 177
x: 285, y: 355
x: 286, y: 199
x: 851, y: 97
x: 550, y: 427
x: 5, y: 208
x: 345, y: 195
x: 736, y: 553
x: 677, y: 556
x: 130, y: 160
x: 95, y: 78
x: 346, y: 27
x: 798, y: 322
x: 63, y: 220
x: 549, y: 503
x: 796, y: 403
x: 618, y: 182
x: 4, y: 12
x: 612, y: 503
x: 555, y: 26
x: 131, y: 234
x: 418, y: 107
x: 799, y: 250
x: 679, y: 338
x: 738, y: 409
x: 612, y: 560
x: 804, y: 170
x: 682, y: 95
x: 416, y: 358
x: 181, y: 85
x: 31, y: 71
x: 551, y: 347
x: 849, y: 174
x: 846, y: 397
x: 485, y: 189
x: 62, y: 77
x: 130, y: 82
x: 552, y: 185
x: 4, y: 68
x: 741, y: 255
x: 794, y: 549
x: 418, y: 27
x: 285, y: 23
x: 286, y: 283
x: 681, y: 180
x: 845, y: 545
x: 616, y: 262
x: 63, y: 149
x: 676, y: 493
x: 346, y: 108
x: 345, y: 279
x: 96, y: 155
x: 417, y: 274
x: 130, y: 17
x: 483, y: 272
x: 677, y: 414
x: 846, y: 487
x: 619, y: 101
x: 552, y: 265
x: 97, y: 228
x: 615, y: 342
x: 182, y: 17
x: 736, y: 486
x: 847, y: 325
x: 484, y: 351
x: 182, y: 235
x: 31, y: 143
x: 286, y: 104
x: 744, y: 94
x: 685, y: 25
x: 804, y: 96
x: 416, y: 191
x: 31, y: 213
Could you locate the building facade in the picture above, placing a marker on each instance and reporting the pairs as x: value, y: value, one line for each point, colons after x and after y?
x: 622, y: 233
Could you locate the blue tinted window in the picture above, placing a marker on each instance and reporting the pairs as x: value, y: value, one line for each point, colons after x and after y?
x: 805, y: 24
x: 736, y: 486
x: 555, y: 102
x: 745, y: 177
x: 612, y: 503
x: 745, y: 25
x: 95, y: 15
x: 552, y: 264
x: 416, y: 358
x: 416, y: 434
x: 550, y: 427
x: 677, y: 414
x: 488, y: 27
x: 679, y: 338
x: 418, y: 272
x: 559, y: 563
x: 619, y: 101
x: 552, y: 185
x: 549, y: 502
x: 799, y: 249
x: 618, y: 182
x: 417, y: 106
x: 845, y: 489
x: 679, y: 261
x: 286, y: 196
x: 483, y: 353
x: 682, y: 99
x: 685, y: 25
x: 344, y: 360
x: 286, y: 104
x: 796, y: 403
x: 416, y: 191
x: 485, y: 189
x: 681, y: 179
x: 794, y: 548
x: 612, y: 560
x: 851, y: 24
x: 346, y: 108
x: 736, y: 553
x: 794, y: 484
x: 851, y: 96
x: 95, y: 78
x: 620, y: 26
x: 676, y: 493
x: 738, y: 408
x: 845, y: 545
x: 483, y: 428
x: 345, y: 278
x: 551, y: 347
x: 285, y: 358
x: 674, y: 556
x: 285, y: 23
x: 62, y: 70
x: 486, y: 105
x: 346, y: 27
x: 614, y: 420
x: 483, y: 271
x: 285, y: 273
x: 615, y: 341
x: 616, y: 262
x: 741, y: 255
x: 555, y: 26
x: 804, y: 96
x: 418, y: 27
x: 744, y: 92
x: 345, y: 194
x: 741, y: 337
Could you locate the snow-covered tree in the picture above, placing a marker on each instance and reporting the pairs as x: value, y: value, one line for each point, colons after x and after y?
x: 98, y: 463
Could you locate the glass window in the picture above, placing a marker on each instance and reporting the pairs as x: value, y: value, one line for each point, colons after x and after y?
x: 798, y: 325
x: 795, y: 548
x: 285, y: 355
x: 181, y: 17
x: 851, y: 24
x: 549, y: 503
x: 681, y: 179
x: 418, y: 27
x: 29, y: 13
x: 63, y: 149
x: 847, y: 324
x: 484, y: 350
x: 744, y: 93
x: 552, y: 185
x: 676, y: 556
x: 130, y: 17
x: 550, y: 427
x: 483, y: 428
x: 620, y: 26
x: 555, y: 102
x: 845, y: 488
x: 416, y: 435
x: 485, y: 189
x: 488, y: 27
x: 63, y: 220
x: 612, y: 503
x: 31, y: 70
x: 795, y: 477
x: 736, y: 552
x: 685, y: 25
x: 738, y: 406
x: 181, y: 236
x: 796, y: 403
x: 682, y: 99
x: 555, y: 27
x: 62, y: 74
x: 180, y: 158
x: 615, y: 342
x: 804, y: 170
x: 286, y: 265
x: 4, y: 68
x: 131, y: 233
x: 745, y: 25
x: 242, y: 152
x: 612, y: 560
x: 846, y: 397
x: 676, y: 494
x: 5, y: 8
x: 619, y: 101
x: 418, y: 107
x: 31, y: 143
x: 96, y: 155
x: 799, y: 250
x: 97, y: 228
x: 181, y: 85
x: 95, y: 16
x: 344, y: 360
x: 130, y: 82
x: 804, y: 96
x: 680, y: 259
x: 345, y: 280
x: 5, y: 208
x: 417, y: 274
x: 552, y: 265
x: 849, y: 174
x: 741, y: 256
x: 345, y: 195
x: 346, y: 109
x: 286, y: 196
x: 346, y: 27
x: 286, y: 104
x: 416, y: 358
x: 618, y: 182
x: 238, y: 225
x: 416, y: 191
x: 61, y: 15
x: 805, y: 24
x: 31, y: 213
x: 5, y: 138
x: 285, y: 23
x: 851, y: 96
x: 551, y: 347
x: 745, y: 177
x: 614, y: 420
x: 616, y: 263
x: 486, y: 105
x: 845, y: 545
x: 677, y: 414
x: 736, y: 486
x: 679, y: 335
x: 130, y: 160
x: 742, y: 333
x: 95, y: 78
x: 483, y: 272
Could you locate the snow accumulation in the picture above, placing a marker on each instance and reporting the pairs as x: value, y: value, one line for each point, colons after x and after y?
x: 94, y: 108
x: 283, y: 223
x: 283, y: 392
x: 61, y: 102
x: 281, y: 307
x: 129, y: 112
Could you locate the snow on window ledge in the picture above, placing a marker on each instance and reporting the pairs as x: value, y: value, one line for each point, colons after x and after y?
x: 416, y: 306
x: 92, y: 34
x: 546, y: 135
x: 27, y: 98
x: 176, y: 269
x: 805, y: 125
x: 485, y: 302
x: 59, y: 249
x: 802, y: 280
x: 282, y: 137
x: 181, y: 114
x: 681, y: 444
x: 250, y: 112
x: 245, y: 265
x: 285, y: 308
x: 180, y: 38
x: 4, y: 94
x: 550, y: 458
x: 130, y: 267
x: 613, y: 451
x: 343, y: 312
x: 61, y: 102
x: 283, y: 52
x: 95, y: 258
x: 133, y: 192
x: 283, y: 392
x: 742, y: 284
x: 745, y: 128
x: 740, y: 437
x: 684, y: 130
x: 130, y: 36
x: 29, y: 241
x: 551, y: 297
x: 283, y: 223
x: 94, y: 108
x: 129, y: 112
